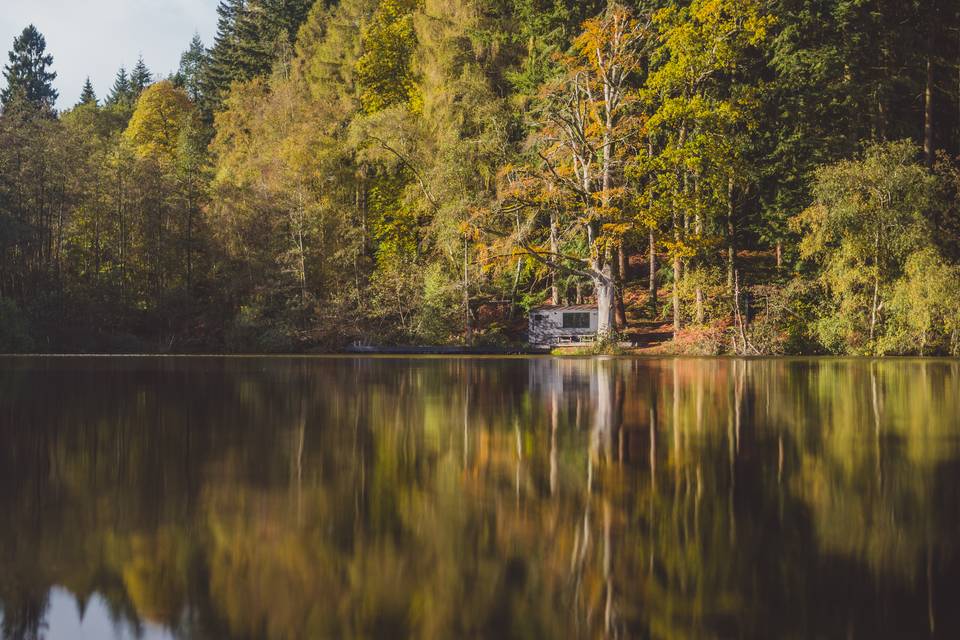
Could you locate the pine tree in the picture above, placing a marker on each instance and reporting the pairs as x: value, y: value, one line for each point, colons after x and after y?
x: 192, y: 64
x: 140, y: 77
x: 27, y: 74
x: 251, y: 34
x: 222, y: 69
x: 87, y: 95
x: 122, y: 92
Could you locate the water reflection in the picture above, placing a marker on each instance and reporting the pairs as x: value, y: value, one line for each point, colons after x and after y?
x: 438, y: 498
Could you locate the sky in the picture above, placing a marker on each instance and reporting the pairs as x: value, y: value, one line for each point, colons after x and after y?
x: 95, y: 37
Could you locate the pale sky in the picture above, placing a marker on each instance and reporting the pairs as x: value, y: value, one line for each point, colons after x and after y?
x: 95, y: 37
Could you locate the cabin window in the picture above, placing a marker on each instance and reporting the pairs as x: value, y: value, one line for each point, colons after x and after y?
x: 576, y: 321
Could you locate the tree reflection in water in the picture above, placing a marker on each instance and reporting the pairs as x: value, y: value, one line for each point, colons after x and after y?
x: 438, y: 498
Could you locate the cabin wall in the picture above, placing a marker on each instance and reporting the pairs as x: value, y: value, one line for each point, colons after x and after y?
x: 546, y: 327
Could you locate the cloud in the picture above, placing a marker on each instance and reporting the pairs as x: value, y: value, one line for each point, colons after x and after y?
x: 94, y: 37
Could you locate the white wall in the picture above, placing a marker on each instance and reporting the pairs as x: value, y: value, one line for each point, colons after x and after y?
x: 546, y: 325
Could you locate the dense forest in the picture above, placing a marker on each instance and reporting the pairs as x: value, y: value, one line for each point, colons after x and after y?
x: 765, y: 176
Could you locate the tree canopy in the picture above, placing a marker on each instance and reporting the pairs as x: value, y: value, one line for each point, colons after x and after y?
x: 28, y: 74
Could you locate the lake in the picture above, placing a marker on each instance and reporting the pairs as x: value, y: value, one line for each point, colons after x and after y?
x: 208, y: 497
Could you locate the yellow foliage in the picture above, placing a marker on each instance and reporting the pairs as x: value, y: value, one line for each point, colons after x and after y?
x: 162, y: 113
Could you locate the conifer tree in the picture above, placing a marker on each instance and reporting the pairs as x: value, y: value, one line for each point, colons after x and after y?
x: 221, y: 69
x: 251, y: 34
x: 28, y: 73
x: 140, y: 77
x: 121, y: 93
x: 87, y: 95
x: 192, y: 63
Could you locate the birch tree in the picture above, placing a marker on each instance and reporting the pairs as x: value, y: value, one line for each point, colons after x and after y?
x: 866, y: 219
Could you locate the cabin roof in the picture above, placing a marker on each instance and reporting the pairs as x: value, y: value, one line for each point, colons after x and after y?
x: 565, y: 307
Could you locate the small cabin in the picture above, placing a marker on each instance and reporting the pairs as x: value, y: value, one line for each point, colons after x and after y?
x: 569, y: 324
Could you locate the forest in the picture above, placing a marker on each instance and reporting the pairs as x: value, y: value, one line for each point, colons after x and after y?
x: 752, y: 176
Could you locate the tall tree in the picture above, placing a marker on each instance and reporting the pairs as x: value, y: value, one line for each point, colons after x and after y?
x: 122, y: 92
x: 251, y: 36
x: 866, y: 219
x: 162, y: 113
x: 87, y: 94
x: 28, y: 73
x: 140, y: 77
x: 384, y: 71
x: 581, y: 151
x: 694, y: 123
x: 222, y: 68
x: 190, y: 74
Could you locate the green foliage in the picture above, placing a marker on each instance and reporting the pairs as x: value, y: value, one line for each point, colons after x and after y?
x: 384, y: 72
x: 121, y: 94
x: 253, y: 332
x: 28, y: 75
x: 437, y: 318
x: 714, y: 299
x: 868, y: 216
x: 251, y: 36
x: 924, y: 307
x: 161, y: 114
x: 140, y: 78
x: 87, y: 95
x: 189, y: 76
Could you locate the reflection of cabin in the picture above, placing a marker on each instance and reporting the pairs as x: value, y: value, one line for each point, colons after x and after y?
x: 550, y: 325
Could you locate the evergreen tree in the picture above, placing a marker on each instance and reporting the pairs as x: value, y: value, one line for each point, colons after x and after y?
x: 192, y: 63
x: 28, y: 73
x: 121, y: 93
x: 251, y: 36
x: 542, y: 29
x: 87, y: 95
x: 221, y: 69
x: 140, y: 77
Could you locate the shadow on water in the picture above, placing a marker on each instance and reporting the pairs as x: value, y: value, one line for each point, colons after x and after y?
x: 461, y: 497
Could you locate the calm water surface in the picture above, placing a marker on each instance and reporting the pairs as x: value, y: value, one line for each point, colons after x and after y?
x: 465, y: 498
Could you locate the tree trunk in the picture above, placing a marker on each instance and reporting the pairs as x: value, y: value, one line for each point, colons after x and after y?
x: 653, y: 270
x: 190, y: 240
x: 676, y: 294
x: 699, y: 315
x: 554, y: 289
x: 605, y: 288
x: 779, y: 254
x: 731, y: 248
x: 516, y: 284
x: 677, y: 270
x: 619, y: 309
x: 301, y: 246
x: 928, y: 148
x: 468, y: 326
x: 876, y: 287
x: 874, y: 306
